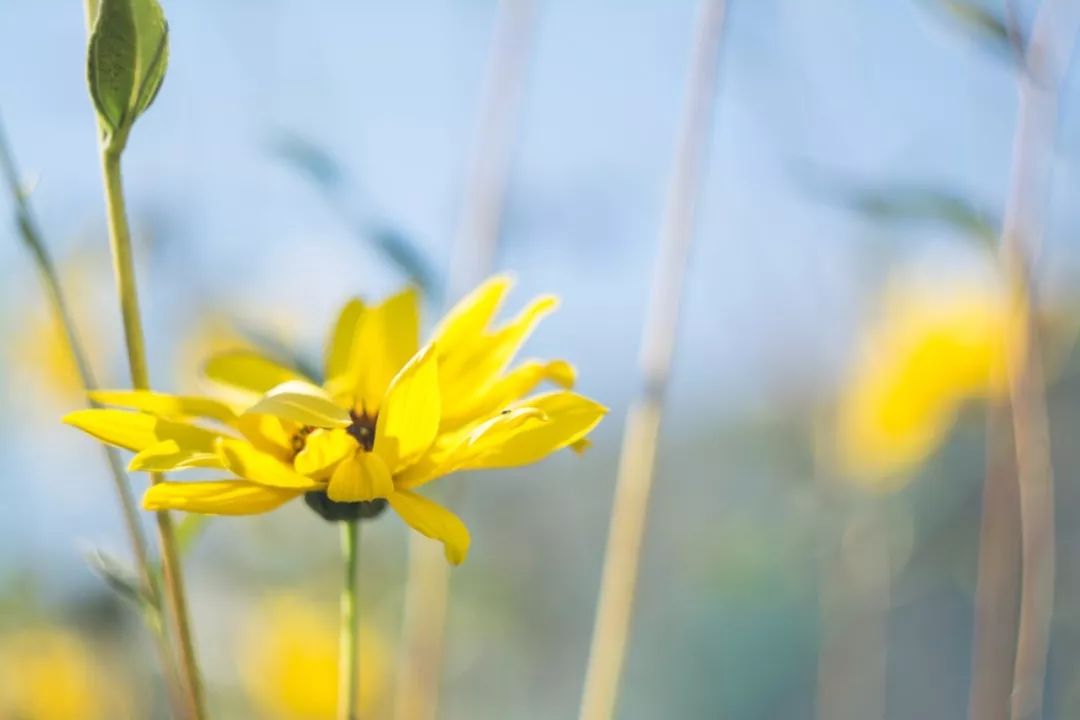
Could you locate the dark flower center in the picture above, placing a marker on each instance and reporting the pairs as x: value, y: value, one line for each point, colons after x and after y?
x: 363, y: 429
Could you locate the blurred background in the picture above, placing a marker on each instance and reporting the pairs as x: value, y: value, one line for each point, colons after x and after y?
x: 800, y: 561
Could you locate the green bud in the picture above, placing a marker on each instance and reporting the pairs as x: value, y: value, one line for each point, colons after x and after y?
x: 126, y: 61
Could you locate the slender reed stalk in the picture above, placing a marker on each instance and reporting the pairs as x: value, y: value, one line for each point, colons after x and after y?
x: 349, y: 658
x: 1051, y: 43
x: 856, y: 592
x: 124, y: 269
x: 150, y: 587
x: 997, y: 592
x: 419, y: 670
x: 637, y: 459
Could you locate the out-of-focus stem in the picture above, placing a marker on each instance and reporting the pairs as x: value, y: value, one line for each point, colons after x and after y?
x: 349, y: 657
x: 1053, y: 36
x: 124, y: 269
x: 419, y: 672
x: 997, y: 592
x: 637, y: 459
x: 855, y: 590
x: 32, y: 237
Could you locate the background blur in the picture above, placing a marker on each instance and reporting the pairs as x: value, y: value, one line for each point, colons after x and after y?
x: 851, y: 141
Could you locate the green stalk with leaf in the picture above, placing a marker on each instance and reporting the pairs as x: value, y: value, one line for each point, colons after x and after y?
x: 127, y: 56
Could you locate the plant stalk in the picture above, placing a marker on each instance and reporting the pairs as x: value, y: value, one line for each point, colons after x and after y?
x: 34, y: 240
x: 997, y: 591
x: 611, y: 628
x: 1049, y: 49
x: 124, y: 269
x: 427, y: 591
x: 349, y: 659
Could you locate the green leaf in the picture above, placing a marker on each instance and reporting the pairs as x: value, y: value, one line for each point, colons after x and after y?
x: 188, y: 530
x: 980, y: 24
x: 898, y: 203
x: 118, y: 576
x: 126, y: 60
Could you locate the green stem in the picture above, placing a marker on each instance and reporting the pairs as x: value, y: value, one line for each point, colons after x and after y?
x: 349, y: 660
x: 124, y: 268
x: 34, y: 241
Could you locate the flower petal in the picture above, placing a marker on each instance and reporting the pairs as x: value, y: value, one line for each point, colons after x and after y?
x: 167, y: 456
x: 433, y: 520
x: 512, y: 386
x: 339, y: 348
x: 388, y: 335
x: 409, y: 419
x: 138, y: 431
x: 323, y: 449
x: 567, y: 418
x: 524, y: 433
x: 248, y: 371
x: 165, y: 405
x: 470, y: 317
x: 465, y: 373
x: 361, y: 478
x: 220, y: 497
x: 247, y: 462
x: 302, y: 402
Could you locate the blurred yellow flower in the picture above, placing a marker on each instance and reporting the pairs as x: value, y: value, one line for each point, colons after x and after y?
x: 289, y: 660
x: 390, y: 417
x: 934, y: 346
x: 50, y: 674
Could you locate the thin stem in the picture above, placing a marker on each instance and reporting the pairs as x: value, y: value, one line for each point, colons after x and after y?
x: 124, y: 268
x: 997, y: 591
x: 34, y: 240
x: 427, y: 593
x: 637, y: 460
x: 1053, y: 36
x: 349, y: 659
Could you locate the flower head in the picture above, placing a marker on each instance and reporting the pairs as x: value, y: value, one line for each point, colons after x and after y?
x: 935, y: 346
x: 389, y: 417
x: 289, y: 659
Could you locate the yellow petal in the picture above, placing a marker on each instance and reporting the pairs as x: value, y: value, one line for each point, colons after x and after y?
x: 409, y: 419
x: 138, y: 431
x: 248, y: 371
x: 434, y: 521
x: 464, y: 374
x: 470, y: 317
x: 323, y: 449
x: 303, y: 403
x: 524, y: 433
x: 360, y: 478
x: 512, y: 386
x: 224, y: 497
x: 167, y: 456
x: 387, y: 336
x: 568, y: 417
x: 165, y: 405
x: 339, y: 348
x: 270, y: 434
x: 247, y: 462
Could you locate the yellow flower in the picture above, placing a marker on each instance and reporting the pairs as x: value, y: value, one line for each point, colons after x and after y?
x: 936, y: 346
x: 390, y: 417
x: 290, y: 657
x: 50, y: 674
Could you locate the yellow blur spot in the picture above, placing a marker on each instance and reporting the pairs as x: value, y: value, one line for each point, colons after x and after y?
x: 50, y: 674
x: 935, y: 345
x: 289, y: 661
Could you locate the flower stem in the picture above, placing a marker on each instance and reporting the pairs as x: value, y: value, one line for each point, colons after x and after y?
x: 1044, y: 61
x: 349, y: 659
x: 476, y: 243
x: 611, y: 628
x: 124, y: 268
x: 32, y: 237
